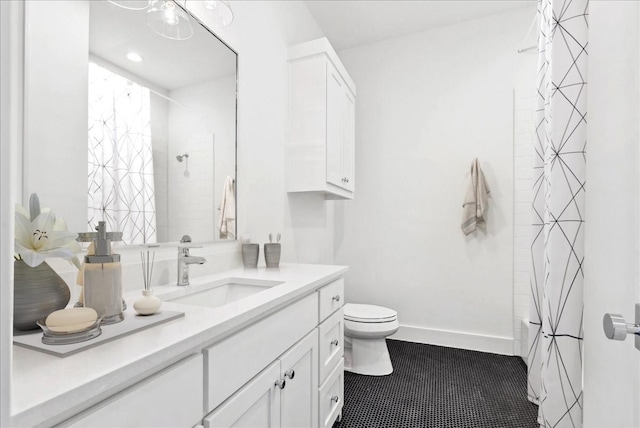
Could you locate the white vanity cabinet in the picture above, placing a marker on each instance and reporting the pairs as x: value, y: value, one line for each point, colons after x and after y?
x: 277, y: 363
x: 170, y: 398
x: 282, y: 395
x: 321, y: 142
x: 303, y: 387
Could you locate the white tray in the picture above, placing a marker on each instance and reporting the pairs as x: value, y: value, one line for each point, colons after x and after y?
x: 132, y: 323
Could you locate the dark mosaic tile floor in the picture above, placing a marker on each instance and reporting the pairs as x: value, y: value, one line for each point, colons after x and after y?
x: 438, y: 387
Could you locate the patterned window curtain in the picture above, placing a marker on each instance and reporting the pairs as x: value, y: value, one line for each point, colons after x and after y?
x: 121, y: 189
x: 555, y: 333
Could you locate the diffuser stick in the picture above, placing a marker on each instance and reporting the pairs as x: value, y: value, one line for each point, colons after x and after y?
x: 147, y: 260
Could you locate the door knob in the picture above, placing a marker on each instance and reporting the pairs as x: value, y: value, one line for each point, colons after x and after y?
x: 280, y: 383
x: 615, y: 327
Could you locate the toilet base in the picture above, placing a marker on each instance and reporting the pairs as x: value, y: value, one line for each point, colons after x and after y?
x: 367, y: 356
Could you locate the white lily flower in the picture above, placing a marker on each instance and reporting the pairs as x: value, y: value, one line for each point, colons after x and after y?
x: 45, y: 236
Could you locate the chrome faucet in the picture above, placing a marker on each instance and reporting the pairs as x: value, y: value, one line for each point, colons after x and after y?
x: 184, y: 260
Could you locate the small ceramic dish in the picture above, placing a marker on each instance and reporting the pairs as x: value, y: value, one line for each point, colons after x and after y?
x: 51, y: 337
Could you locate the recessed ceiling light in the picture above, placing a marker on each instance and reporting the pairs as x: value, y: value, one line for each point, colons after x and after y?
x: 133, y: 56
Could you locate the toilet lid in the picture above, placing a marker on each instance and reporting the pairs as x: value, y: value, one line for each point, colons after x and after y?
x: 368, y: 313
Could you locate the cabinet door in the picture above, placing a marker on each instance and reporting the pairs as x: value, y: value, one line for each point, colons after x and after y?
x: 171, y: 398
x: 299, y: 397
x: 335, y: 103
x: 257, y: 404
x: 348, y: 140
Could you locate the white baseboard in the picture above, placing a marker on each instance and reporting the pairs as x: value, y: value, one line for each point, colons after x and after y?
x: 455, y: 339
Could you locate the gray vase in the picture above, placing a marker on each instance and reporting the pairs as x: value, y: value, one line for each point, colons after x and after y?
x: 37, y: 291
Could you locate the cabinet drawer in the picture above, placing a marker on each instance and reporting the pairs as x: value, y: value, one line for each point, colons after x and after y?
x: 235, y: 360
x: 332, y: 397
x: 331, y: 298
x: 170, y: 398
x: 331, y: 338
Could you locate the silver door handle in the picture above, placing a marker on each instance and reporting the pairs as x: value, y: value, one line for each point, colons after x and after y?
x: 615, y: 327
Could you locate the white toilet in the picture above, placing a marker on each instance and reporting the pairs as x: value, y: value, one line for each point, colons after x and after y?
x: 365, y: 330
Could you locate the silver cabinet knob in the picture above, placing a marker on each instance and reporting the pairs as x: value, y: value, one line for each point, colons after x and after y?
x: 290, y: 374
x: 336, y: 298
x: 335, y: 342
x: 335, y: 399
x: 615, y: 327
x: 281, y: 383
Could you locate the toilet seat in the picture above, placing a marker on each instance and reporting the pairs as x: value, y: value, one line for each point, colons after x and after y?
x: 368, y: 313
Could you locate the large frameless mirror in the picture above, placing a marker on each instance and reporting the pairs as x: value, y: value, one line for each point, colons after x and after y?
x: 160, y: 146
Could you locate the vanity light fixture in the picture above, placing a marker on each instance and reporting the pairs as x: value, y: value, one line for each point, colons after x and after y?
x: 134, y: 57
x: 169, y: 20
x: 220, y: 12
x: 131, y: 4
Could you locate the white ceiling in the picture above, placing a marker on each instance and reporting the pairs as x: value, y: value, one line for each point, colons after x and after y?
x: 352, y: 23
x: 170, y: 64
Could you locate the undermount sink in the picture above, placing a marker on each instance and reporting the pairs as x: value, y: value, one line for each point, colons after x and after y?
x: 221, y: 292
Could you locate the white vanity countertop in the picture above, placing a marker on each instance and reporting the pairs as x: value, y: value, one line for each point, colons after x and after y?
x: 45, y: 387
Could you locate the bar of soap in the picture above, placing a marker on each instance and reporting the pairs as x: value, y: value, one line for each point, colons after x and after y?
x: 71, y: 320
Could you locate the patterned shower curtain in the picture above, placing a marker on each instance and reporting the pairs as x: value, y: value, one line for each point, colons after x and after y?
x: 121, y: 182
x: 555, y: 332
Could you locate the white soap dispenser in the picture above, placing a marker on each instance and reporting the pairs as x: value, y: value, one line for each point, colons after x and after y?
x: 102, y: 289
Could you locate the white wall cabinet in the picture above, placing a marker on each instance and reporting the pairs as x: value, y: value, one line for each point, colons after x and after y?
x: 321, y: 143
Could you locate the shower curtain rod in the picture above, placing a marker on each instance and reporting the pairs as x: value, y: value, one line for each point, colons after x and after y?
x: 520, y: 50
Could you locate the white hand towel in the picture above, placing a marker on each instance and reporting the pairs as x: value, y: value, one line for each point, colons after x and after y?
x: 227, y: 222
x: 475, y: 204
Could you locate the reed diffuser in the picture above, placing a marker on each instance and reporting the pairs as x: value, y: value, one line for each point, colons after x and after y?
x: 148, y: 304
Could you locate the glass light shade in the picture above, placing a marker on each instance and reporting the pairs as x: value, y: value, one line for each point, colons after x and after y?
x: 169, y: 20
x: 220, y: 12
x: 131, y: 4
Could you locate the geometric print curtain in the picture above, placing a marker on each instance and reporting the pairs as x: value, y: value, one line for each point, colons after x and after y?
x: 121, y: 181
x: 557, y: 248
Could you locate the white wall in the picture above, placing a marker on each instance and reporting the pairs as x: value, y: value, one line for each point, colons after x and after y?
x: 523, y: 152
x: 612, y: 369
x: 427, y: 105
x: 160, y: 142
x: 56, y: 122
x: 11, y: 103
x: 208, y: 136
x: 261, y: 34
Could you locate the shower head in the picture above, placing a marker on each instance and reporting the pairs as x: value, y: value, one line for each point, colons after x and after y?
x: 181, y: 157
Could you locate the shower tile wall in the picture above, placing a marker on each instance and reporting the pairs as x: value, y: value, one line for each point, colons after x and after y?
x: 523, y: 182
